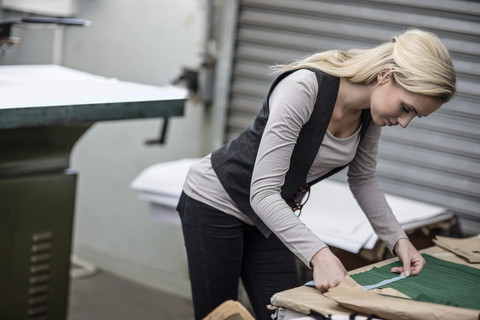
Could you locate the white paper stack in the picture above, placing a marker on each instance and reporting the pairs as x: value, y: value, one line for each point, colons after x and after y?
x: 331, y: 211
x: 334, y: 215
x: 161, y: 185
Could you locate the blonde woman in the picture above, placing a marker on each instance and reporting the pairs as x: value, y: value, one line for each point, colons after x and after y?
x: 240, y: 204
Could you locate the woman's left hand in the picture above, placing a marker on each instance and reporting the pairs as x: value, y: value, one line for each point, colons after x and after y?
x: 413, y: 262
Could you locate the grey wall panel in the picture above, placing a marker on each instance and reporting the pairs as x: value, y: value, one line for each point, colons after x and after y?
x: 437, y: 159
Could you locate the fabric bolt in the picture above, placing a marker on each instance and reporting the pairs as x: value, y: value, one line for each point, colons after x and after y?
x: 440, y: 282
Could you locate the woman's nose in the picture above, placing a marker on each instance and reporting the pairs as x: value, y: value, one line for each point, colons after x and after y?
x: 404, y: 120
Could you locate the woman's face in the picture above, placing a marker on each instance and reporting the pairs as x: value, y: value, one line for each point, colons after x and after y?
x: 391, y: 105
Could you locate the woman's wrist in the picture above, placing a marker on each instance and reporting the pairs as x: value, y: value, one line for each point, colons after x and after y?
x: 320, y: 255
x: 400, y: 242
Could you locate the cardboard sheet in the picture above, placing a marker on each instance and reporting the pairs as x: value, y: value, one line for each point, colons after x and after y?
x: 305, y: 299
x: 350, y: 297
x: 468, y: 248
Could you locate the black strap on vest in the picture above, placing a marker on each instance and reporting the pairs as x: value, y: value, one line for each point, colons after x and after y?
x: 310, y: 139
x: 302, y: 191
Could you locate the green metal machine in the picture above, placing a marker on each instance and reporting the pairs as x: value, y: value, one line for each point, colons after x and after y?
x: 37, y: 188
x: 37, y: 195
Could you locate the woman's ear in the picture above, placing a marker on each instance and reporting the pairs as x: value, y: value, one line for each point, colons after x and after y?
x: 383, y: 76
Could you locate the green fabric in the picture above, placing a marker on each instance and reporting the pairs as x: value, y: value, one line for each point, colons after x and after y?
x: 440, y: 282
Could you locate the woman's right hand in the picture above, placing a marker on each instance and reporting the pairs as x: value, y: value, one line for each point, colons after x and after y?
x: 328, y: 271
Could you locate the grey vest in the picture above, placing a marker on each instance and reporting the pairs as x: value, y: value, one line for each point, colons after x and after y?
x: 233, y: 162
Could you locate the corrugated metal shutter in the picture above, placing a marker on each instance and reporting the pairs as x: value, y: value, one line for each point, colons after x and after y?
x: 437, y: 159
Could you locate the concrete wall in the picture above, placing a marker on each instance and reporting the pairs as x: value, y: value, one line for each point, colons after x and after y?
x: 144, y: 41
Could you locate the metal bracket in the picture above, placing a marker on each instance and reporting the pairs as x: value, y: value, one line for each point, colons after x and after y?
x: 163, y: 134
x: 6, y: 27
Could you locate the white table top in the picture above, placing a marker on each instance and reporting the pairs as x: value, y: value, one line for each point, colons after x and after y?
x: 43, y: 95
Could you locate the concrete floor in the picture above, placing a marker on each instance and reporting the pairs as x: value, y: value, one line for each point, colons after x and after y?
x: 105, y: 296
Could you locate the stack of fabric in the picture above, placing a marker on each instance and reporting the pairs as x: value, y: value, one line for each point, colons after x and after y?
x: 161, y: 185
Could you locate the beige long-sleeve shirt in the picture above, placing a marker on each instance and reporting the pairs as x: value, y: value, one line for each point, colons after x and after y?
x: 291, y: 104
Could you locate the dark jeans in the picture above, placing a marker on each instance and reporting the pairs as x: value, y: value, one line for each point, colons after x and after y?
x: 222, y: 249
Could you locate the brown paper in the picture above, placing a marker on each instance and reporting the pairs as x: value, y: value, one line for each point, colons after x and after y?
x: 231, y: 310
x: 352, y: 296
x: 468, y: 248
x: 304, y: 299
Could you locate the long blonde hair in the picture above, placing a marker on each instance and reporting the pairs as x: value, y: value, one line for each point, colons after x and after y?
x: 417, y: 59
